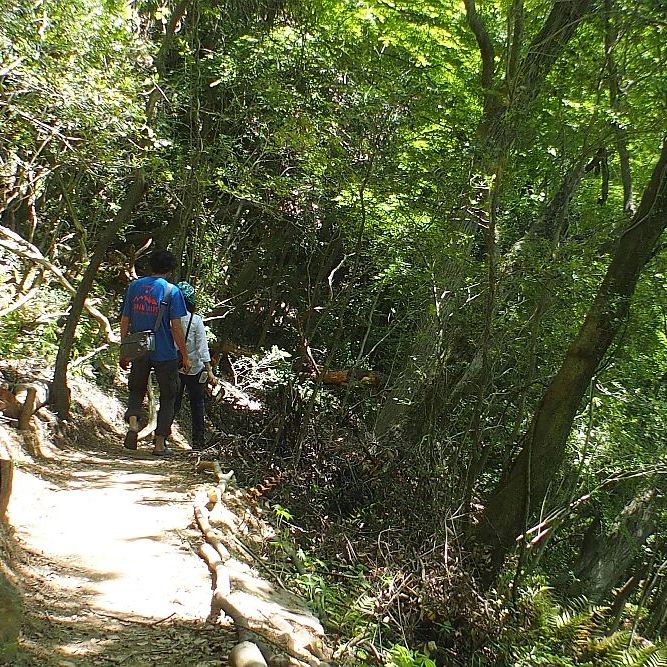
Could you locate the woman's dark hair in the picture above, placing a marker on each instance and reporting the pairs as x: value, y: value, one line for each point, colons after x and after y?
x: 162, y: 261
x: 191, y: 306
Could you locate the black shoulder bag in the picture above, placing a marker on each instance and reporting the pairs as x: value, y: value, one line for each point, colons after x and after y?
x: 140, y: 344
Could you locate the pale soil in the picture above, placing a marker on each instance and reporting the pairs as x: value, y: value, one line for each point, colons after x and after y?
x: 106, y: 552
x: 108, y: 567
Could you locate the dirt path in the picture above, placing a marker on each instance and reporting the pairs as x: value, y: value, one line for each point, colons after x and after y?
x: 106, y: 551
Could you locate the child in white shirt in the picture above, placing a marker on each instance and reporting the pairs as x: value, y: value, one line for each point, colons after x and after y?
x: 200, y: 372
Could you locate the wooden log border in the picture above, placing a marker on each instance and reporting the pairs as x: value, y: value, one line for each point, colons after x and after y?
x: 253, y: 650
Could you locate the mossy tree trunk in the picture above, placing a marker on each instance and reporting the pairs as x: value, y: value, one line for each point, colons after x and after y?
x: 604, y: 559
x: 11, y: 618
x: 520, y: 495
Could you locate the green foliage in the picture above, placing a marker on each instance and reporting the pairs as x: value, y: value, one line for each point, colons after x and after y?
x: 282, y: 513
x: 321, y: 169
x: 400, y: 656
x: 74, y: 81
x: 575, y: 634
x: 348, y: 608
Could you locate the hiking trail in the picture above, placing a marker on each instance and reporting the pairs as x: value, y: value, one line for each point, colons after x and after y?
x: 107, y: 554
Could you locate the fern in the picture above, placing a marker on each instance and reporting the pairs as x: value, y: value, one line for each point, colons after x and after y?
x: 400, y: 656
x: 647, y: 656
x: 576, y: 635
x: 578, y: 625
x: 610, y: 644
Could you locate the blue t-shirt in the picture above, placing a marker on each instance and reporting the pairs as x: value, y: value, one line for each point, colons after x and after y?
x: 141, y: 305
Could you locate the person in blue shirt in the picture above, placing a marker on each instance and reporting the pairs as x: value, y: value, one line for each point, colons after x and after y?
x: 140, y: 311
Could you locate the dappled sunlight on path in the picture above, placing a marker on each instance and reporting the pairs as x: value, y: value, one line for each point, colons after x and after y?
x: 110, y: 539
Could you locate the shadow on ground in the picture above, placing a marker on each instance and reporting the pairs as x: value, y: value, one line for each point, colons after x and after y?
x: 59, y: 631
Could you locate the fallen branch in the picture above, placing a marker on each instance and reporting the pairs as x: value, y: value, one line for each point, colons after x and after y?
x: 19, y: 302
x: 90, y: 355
x: 212, y: 536
x: 215, y: 555
x: 19, y: 246
x: 533, y: 536
x: 265, y: 637
x: 134, y: 621
x: 224, y: 478
x: 369, y: 378
x: 246, y: 654
x: 221, y: 582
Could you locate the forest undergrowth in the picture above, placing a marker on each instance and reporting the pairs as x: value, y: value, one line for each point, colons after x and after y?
x: 392, y: 582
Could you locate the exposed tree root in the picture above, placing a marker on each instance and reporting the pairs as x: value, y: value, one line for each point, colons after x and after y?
x: 34, y: 396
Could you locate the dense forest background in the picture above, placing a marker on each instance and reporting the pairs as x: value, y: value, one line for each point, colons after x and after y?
x: 438, y: 227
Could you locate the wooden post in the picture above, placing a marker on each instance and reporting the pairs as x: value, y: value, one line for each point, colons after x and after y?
x: 33, y: 396
x: 6, y: 476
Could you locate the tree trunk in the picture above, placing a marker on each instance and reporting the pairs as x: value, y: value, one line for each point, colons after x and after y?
x: 519, y: 495
x: 60, y: 393
x: 611, y: 40
x: 621, y: 598
x: 499, y: 126
x: 604, y: 560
